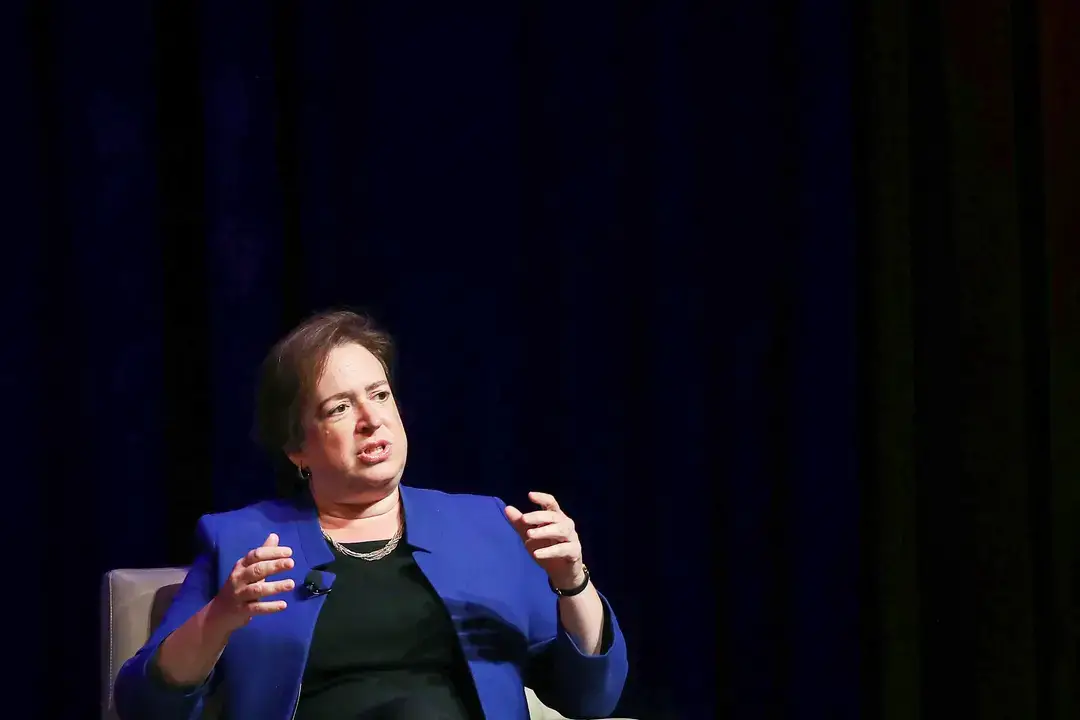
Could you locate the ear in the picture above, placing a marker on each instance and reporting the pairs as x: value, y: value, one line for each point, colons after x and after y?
x: 297, y: 458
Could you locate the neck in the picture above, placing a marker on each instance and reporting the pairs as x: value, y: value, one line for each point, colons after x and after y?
x: 338, y: 514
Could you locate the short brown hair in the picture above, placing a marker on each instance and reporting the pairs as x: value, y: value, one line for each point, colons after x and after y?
x: 292, y: 368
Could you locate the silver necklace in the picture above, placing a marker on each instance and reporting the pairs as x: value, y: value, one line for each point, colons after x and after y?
x: 374, y: 554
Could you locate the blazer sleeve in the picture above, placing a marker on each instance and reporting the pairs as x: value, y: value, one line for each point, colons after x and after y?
x: 562, y: 676
x: 140, y: 690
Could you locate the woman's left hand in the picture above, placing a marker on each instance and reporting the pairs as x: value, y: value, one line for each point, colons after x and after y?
x: 551, y: 539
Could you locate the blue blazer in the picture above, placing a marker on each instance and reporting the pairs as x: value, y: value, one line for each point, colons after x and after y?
x: 498, y: 597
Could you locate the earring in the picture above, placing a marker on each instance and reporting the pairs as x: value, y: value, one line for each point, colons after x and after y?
x: 303, y: 472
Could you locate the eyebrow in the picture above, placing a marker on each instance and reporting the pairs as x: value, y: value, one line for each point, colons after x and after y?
x: 343, y: 395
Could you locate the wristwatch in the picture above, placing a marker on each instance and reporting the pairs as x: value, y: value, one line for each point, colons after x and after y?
x: 572, y: 591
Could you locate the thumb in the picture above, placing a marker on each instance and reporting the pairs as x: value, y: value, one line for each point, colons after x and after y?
x: 271, y: 540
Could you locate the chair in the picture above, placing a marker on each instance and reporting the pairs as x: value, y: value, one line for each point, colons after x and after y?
x: 134, y: 602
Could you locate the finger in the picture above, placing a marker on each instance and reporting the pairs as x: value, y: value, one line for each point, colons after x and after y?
x: 566, y: 550
x: 264, y: 569
x: 542, y: 517
x: 266, y: 608
x: 271, y: 540
x: 515, y: 517
x: 544, y: 500
x: 258, y: 590
x: 556, y: 531
x: 267, y: 552
x: 534, y: 545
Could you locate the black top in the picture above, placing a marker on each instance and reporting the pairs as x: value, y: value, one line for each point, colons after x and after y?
x: 384, y: 646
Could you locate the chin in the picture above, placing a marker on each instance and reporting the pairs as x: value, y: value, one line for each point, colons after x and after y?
x: 378, y: 476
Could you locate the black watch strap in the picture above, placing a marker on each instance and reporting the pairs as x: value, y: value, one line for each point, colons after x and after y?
x: 572, y: 591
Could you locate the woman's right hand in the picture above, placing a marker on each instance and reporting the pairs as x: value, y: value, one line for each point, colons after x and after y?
x: 243, y: 596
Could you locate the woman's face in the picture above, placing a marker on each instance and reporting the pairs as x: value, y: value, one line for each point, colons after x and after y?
x: 354, y: 442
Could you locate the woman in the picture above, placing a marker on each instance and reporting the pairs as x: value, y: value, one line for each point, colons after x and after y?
x: 360, y: 597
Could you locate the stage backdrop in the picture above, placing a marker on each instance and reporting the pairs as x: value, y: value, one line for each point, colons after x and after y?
x: 639, y: 255
x: 969, y: 174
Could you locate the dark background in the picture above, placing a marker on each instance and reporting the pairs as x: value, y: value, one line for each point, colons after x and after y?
x: 779, y: 300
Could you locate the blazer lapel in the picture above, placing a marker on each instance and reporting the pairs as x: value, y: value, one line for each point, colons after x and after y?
x: 277, y: 686
x: 465, y: 577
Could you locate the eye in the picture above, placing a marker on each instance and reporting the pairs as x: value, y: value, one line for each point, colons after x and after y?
x: 338, y: 409
x: 382, y: 395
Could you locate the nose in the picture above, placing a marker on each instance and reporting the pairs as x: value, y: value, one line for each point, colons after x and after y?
x: 369, y: 418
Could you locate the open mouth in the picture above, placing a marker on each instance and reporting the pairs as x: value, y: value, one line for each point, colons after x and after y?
x: 374, y: 452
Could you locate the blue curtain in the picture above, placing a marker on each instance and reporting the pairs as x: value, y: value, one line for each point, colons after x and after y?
x: 614, y: 241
